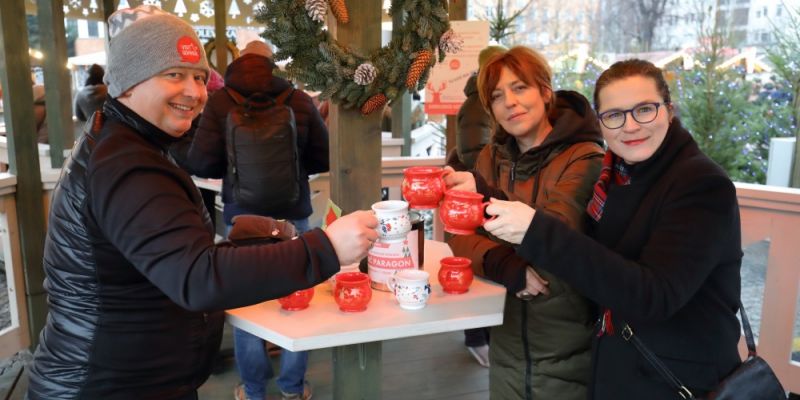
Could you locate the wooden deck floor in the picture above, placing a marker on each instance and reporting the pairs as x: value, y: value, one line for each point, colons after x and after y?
x: 433, y: 367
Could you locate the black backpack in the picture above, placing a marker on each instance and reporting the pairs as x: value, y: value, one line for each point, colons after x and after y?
x: 263, y: 160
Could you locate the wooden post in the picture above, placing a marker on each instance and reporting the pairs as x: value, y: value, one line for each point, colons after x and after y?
x: 458, y: 12
x: 220, y: 36
x: 401, y: 108
x: 356, y: 184
x: 108, y: 9
x: 58, y: 95
x: 23, y: 155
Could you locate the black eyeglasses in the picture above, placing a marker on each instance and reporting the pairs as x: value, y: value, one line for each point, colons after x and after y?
x: 643, y: 114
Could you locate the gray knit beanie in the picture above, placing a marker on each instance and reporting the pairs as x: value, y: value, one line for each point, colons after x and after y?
x: 145, y: 41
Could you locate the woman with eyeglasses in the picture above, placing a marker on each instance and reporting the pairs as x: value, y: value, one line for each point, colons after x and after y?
x: 662, y: 256
x: 546, y: 151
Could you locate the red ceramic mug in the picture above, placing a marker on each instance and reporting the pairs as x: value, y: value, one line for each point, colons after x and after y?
x: 462, y: 212
x: 298, y: 300
x: 423, y: 187
x: 455, y: 274
x: 352, y: 291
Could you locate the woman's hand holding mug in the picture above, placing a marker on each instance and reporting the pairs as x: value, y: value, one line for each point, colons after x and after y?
x: 512, y: 219
x: 459, y: 180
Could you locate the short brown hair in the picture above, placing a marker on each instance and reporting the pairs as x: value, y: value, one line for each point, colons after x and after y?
x: 625, y: 69
x: 527, y: 64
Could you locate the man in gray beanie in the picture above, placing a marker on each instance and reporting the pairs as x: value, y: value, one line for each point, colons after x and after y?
x: 136, y: 285
x: 145, y: 41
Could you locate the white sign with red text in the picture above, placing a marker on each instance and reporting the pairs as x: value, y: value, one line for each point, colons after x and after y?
x: 444, y: 91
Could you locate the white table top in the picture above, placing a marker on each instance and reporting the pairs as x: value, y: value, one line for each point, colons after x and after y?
x: 322, y: 325
x: 210, y: 184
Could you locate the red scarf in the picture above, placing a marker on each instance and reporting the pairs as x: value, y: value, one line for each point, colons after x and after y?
x: 614, y: 170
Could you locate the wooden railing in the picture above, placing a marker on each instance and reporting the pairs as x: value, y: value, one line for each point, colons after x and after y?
x: 14, y: 337
x: 773, y: 213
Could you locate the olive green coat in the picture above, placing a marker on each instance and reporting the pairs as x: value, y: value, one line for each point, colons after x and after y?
x: 542, y: 350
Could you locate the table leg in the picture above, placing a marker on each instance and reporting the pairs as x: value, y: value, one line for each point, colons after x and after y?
x: 357, y: 372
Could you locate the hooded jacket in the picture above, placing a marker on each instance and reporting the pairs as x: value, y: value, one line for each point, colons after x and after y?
x: 135, y: 284
x: 542, y: 349
x: 207, y: 158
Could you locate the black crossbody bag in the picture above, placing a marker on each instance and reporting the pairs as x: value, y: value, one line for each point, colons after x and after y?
x: 753, y: 379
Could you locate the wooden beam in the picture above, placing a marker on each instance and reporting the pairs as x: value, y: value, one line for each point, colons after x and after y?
x: 23, y: 156
x: 58, y: 94
x: 220, y: 36
x: 356, y: 184
x: 457, y: 12
x: 109, y: 6
x: 401, y: 107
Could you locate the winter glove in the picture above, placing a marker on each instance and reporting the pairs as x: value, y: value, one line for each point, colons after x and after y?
x: 251, y: 229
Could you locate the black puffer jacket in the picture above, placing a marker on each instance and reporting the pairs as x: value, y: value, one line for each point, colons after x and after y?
x: 134, y: 280
x: 207, y: 157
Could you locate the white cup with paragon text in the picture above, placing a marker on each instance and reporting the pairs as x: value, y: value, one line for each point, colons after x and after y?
x: 411, y: 288
x: 393, y: 221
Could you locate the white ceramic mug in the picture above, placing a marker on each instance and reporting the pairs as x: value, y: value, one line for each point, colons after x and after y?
x: 410, y: 288
x: 393, y: 221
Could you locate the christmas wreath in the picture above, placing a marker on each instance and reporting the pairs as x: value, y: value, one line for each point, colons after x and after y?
x: 346, y: 75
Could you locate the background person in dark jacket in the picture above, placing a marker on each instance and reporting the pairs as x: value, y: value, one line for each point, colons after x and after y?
x: 473, y: 132
x: 136, y: 285
x: 474, y: 123
x: 665, y: 249
x: 545, y: 151
x: 91, y: 97
x: 252, y: 73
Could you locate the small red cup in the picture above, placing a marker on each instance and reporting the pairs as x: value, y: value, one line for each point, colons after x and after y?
x: 456, y: 275
x: 352, y: 291
x: 298, y: 300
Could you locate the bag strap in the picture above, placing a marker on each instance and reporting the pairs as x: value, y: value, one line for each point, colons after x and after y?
x: 236, y: 96
x: 285, y: 96
x: 748, y: 333
x: 627, y: 334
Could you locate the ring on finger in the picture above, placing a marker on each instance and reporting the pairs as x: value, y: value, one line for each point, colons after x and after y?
x: 525, y: 296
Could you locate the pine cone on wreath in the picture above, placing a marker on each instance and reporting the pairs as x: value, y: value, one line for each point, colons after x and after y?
x: 365, y: 74
x: 317, y: 9
x: 417, y: 68
x: 373, y: 103
x: 339, y: 10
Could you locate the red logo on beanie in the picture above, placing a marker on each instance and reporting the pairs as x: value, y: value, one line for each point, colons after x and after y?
x: 188, y: 50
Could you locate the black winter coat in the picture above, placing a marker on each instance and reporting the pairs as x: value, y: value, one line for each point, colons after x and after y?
x: 207, y: 156
x: 666, y: 260
x: 136, y: 285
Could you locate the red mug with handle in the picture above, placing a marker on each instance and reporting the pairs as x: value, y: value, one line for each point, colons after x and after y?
x: 423, y: 187
x: 462, y: 212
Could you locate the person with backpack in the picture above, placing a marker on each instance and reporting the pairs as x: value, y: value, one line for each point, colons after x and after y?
x: 136, y: 286
x: 245, y: 137
x: 92, y: 96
